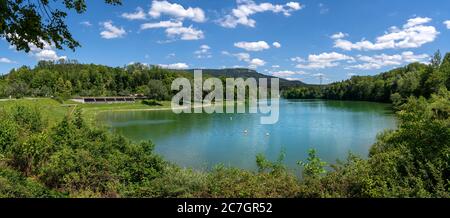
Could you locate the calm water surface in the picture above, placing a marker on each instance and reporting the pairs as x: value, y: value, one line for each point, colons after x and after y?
x: 201, y: 141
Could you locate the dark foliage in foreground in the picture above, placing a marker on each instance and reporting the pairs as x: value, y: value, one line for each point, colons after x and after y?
x: 73, y: 159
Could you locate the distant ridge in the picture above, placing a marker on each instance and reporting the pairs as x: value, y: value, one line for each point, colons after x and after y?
x: 247, y: 73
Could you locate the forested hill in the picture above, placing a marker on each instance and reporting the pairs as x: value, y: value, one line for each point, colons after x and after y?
x: 248, y: 73
x: 69, y: 78
x: 395, y: 86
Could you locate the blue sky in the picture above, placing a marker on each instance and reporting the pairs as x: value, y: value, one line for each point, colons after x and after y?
x: 298, y: 40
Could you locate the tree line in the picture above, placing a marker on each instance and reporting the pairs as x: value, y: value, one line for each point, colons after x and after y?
x: 67, y: 78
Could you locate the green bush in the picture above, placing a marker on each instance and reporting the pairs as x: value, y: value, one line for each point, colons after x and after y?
x: 151, y: 102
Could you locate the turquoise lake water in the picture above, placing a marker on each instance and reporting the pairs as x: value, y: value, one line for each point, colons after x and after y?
x: 201, y: 141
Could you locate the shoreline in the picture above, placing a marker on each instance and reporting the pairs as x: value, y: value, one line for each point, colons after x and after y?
x: 160, y: 109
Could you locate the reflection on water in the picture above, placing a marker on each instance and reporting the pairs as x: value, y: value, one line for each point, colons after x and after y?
x: 333, y: 128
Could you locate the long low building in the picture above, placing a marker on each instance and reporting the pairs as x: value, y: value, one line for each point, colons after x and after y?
x: 105, y: 100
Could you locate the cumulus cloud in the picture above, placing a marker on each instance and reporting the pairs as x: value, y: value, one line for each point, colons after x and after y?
x: 203, y: 52
x: 185, y: 33
x: 323, y: 60
x: 111, y: 32
x: 383, y: 60
x: 338, y: 35
x: 246, y: 8
x: 161, y: 24
x: 175, y: 29
x: 416, y: 21
x: 138, y: 15
x: 176, y: 66
x: 252, y: 62
x: 288, y: 73
x: 447, y: 23
x: 177, y: 11
x: 412, y: 35
x: 6, y: 61
x: 252, y: 46
x: 255, y: 63
x: 276, y: 45
x: 46, y: 53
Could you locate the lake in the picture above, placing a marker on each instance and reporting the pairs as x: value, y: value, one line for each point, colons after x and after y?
x: 201, y: 141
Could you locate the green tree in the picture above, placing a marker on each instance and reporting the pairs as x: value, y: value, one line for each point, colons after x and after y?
x: 37, y: 23
x: 157, y: 90
x: 436, y: 60
x: 313, y: 167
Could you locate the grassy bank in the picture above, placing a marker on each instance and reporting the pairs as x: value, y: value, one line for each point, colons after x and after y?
x: 55, y: 111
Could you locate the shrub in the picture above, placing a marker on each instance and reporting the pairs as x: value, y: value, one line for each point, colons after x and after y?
x: 151, y: 102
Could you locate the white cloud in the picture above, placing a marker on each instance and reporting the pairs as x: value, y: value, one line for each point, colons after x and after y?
x: 293, y: 79
x: 252, y: 46
x: 351, y: 74
x: 288, y: 73
x: 138, y: 15
x: 276, y: 45
x: 175, y: 29
x: 338, y: 35
x: 185, y: 33
x: 225, y: 53
x: 410, y: 57
x: 176, y: 66
x: 383, y: 60
x: 242, y: 56
x: 255, y: 63
x: 6, y: 61
x: 246, y: 8
x: 176, y: 10
x: 203, y: 52
x: 294, y: 5
x: 297, y: 59
x: 412, y: 35
x: 447, y: 23
x: 275, y: 66
x: 48, y: 55
x: 416, y: 21
x: 324, y: 60
x: 161, y: 24
x: 86, y: 23
x: 110, y: 31
x: 252, y: 62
